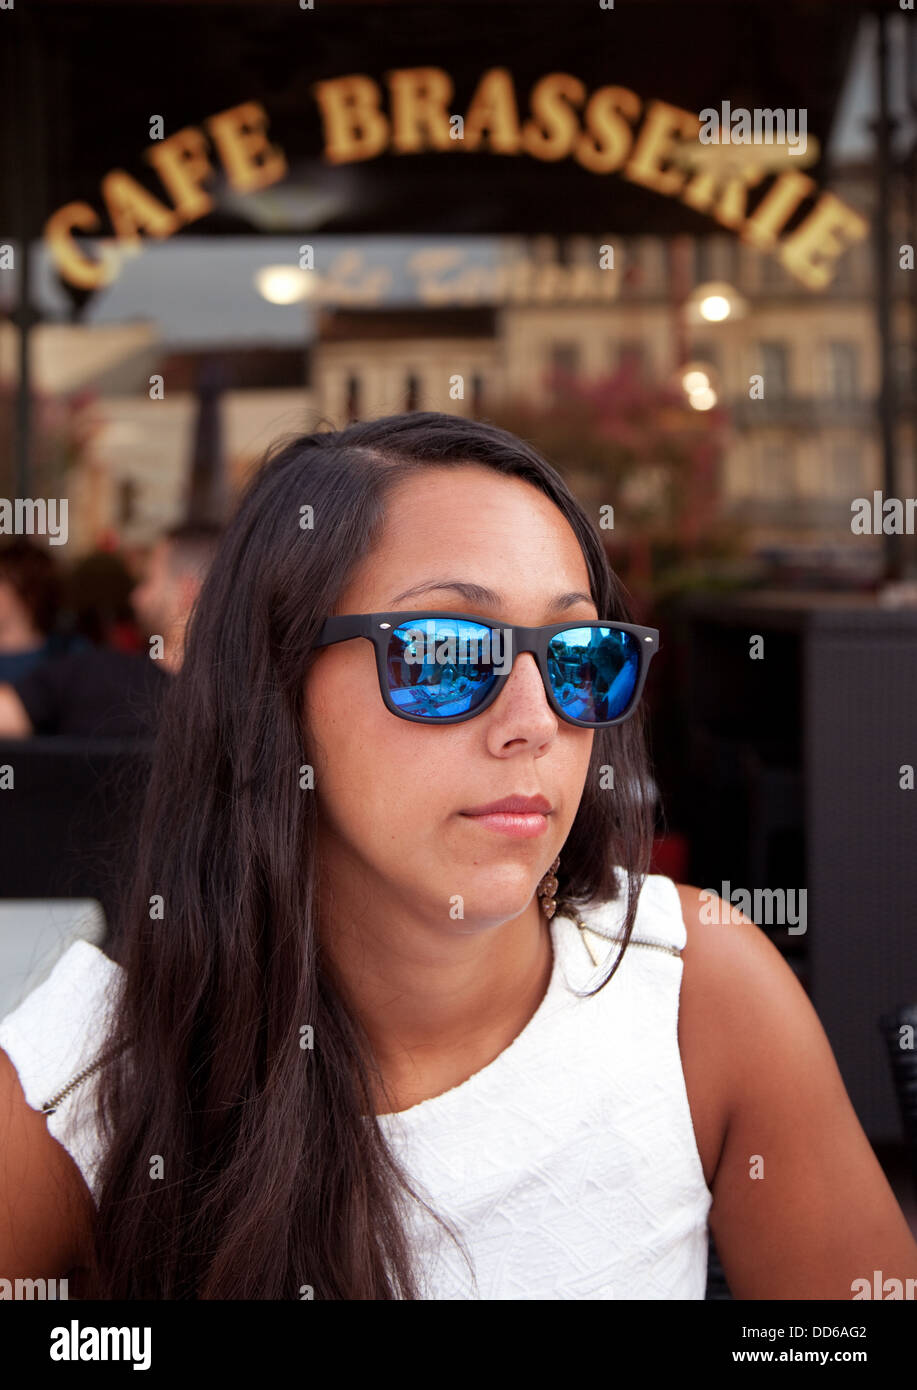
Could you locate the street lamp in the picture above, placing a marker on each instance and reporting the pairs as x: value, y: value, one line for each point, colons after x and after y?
x: 698, y: 383
x: 283, y: 284
x: 715, y: 302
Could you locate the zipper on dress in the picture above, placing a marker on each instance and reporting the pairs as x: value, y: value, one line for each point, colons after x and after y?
x: 634, y: 941
x: 49, y: 1106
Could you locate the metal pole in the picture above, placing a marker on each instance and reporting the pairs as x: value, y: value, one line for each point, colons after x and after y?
x: 22, y: 319
x: 893, y: 549
x: 910, y: 237
x: 27, y: 182
x: 680, y: 268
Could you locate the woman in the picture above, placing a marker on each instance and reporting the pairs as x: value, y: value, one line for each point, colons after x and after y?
x: 358, y: 1054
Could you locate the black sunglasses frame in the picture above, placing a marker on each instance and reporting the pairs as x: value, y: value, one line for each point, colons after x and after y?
x: 378, y: 628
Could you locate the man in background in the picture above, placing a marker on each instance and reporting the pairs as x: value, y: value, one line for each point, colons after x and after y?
x: 103, y: 693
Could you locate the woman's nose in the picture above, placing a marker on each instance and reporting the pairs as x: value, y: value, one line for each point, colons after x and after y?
x: 524, y: 683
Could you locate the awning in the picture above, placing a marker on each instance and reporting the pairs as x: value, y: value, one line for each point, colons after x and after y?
x: 345, y: 107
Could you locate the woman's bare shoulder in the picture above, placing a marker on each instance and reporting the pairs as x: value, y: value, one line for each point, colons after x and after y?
x: 801, y: 1206
x: 46, y: 1210
x: 731, y: 963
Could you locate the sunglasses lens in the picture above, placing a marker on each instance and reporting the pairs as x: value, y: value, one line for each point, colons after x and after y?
x: 594, y: 671
x: 440, y: 667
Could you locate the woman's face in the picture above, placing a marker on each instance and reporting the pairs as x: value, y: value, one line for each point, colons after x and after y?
x: 392, y: 836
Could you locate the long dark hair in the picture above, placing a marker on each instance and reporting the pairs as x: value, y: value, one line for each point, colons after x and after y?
x: 235, y: 1163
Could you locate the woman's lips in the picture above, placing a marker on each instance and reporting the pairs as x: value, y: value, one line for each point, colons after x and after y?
x: 520, y: 816
x: 522, y: 827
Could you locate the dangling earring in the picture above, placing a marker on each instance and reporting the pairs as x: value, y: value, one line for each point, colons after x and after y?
x: 547, y: 888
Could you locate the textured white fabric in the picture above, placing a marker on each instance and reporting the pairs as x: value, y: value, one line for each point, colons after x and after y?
x: 568, y: 1166
x: 57, y: 1030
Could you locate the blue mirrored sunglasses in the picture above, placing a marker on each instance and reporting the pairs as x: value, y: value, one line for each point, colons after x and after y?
x: 443, y: 668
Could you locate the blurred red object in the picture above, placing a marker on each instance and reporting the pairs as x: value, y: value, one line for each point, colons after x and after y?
x: 124, y: 636
x: 670, y: 857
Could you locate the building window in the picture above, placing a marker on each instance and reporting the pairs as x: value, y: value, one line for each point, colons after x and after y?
x: 904, y: 368
x: 412, y: 392
x: 773, y: 364
x: 127, y: 501
x: 352, y: 409
x: 847, y: 473
x: 843, y: 376
x: 565, y: 357
x: 731, y: 260
x: 627, y: 264
x: 708, y: 353
x: 631, y: 357
x: 703, y: 260
x: 776, y: 480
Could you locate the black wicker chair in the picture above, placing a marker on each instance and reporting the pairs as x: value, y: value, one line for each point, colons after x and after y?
x: 900, y: 1025
x: 65, y: 822
x: 717, y: 1287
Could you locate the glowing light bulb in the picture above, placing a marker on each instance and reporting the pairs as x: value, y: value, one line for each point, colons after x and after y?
x: 715, y: 308
x: 282, y: 284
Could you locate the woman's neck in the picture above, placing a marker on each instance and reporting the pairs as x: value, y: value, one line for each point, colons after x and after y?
x: 437, y: 1004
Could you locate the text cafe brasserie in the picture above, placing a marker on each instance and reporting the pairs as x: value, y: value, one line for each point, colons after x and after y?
x: 610, y: 130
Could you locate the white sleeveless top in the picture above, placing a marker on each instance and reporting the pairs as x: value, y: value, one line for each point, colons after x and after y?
x: 568, y: 1166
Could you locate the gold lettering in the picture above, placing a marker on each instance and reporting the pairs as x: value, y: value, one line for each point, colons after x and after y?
x: 354, y: 126
x: 732, y: 207
x: 613, y: 136
x: 493, y: 108
x: 554, y: 138
x: 731, y: 189
x: 131, y: 208
x: 250, y: 160
x: 653, y: 144
x: 808, y: 251
x: 776, y: 208
x: 66, y: 254
x: 420, y: 98
x: 182, y: 164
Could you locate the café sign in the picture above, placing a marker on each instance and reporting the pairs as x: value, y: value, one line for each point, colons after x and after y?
x: 610, y: 130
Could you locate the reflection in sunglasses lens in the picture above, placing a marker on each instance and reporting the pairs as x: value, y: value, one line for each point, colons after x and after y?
x: 594, y: 671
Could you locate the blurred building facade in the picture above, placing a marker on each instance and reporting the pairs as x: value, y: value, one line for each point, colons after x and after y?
x: 795, y: 457
x: 797, y: 454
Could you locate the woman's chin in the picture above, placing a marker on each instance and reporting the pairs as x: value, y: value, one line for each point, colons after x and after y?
x: 488, y: 909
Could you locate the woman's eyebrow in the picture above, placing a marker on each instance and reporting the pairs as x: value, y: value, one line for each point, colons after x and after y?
x: 479, y: 594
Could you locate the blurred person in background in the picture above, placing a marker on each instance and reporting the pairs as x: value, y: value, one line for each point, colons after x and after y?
x: 104, y: 692
x: 30, y: 594
x: 97, y: 597
x: 177, y: 566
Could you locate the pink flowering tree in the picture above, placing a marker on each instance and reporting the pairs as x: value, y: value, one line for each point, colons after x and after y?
x: 640, y: 447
